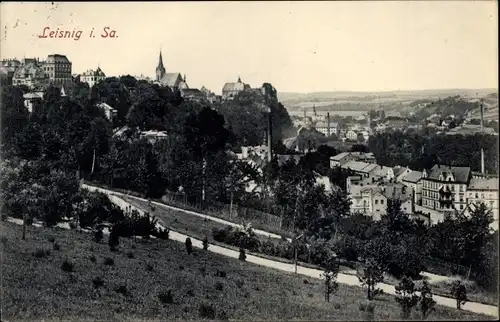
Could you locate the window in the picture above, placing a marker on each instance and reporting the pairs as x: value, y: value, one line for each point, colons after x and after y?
x: 461, y: 207
x: 376, y: 201
x: 477, y: 195
x: 482, y: 196
x: 382, y: 201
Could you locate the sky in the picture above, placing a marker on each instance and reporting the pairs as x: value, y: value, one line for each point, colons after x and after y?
x: 296, y: 46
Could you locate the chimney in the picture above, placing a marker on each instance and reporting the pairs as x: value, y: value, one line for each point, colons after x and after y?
x: 328, y: 122
x: 304, y: 114
x: 482, y: 132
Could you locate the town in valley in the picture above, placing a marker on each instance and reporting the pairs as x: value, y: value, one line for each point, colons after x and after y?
x: 157, y: 196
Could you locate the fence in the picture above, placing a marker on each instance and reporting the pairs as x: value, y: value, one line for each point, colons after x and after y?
x: 238, y: 214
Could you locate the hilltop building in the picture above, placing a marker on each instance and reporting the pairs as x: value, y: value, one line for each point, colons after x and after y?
x: 173, y: 80
x: 230, y: 90
x: 92, y: 77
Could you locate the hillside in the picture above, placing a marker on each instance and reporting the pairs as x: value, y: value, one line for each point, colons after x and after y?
x: 133, y: 283
x: 364, y: 101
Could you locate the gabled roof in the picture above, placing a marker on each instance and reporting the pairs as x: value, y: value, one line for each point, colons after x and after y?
x: 230, y: 87
x: 360, y: 166
x: 31, y: 96
x: 171, y: 79
x: 461, y: 174
x: 339, y: 156
x: 413, y: 177
x: 192, y: 92
x: 324, y: 124
x: 399, y: 170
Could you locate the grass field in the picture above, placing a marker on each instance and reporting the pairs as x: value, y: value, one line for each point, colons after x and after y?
x: 199, y: 228
x: 134, y: 282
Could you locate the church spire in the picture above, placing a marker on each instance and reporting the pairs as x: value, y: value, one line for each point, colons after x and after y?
x: 160, y: 69
x: 184, y: 78
x: 239, y: 79
x: 160, y: 62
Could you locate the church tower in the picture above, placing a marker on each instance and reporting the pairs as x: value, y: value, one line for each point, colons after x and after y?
x: 160, y: 70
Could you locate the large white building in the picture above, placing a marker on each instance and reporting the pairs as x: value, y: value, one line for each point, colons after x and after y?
x: 92, y: 77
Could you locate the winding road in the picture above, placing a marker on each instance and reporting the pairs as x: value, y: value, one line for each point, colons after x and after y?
x: 310, y: 272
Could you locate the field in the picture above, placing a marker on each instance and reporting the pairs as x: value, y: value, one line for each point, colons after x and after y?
x: 133, y: 283
x: 200, y: 228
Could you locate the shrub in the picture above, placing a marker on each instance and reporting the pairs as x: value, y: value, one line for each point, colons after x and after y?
x: 98, y: 282
x: 426, y: 302
x: 337, y: 306
x: 51, y: 239
x: 189, y: 246
x: 240, y: 283
x: 109, y: 261
x: 4, y: 240
x: 98, y: 235
x: 4, y: 217
x: 219, y: 286
x: 459, y: 293
x: 163, y: 234
x: 242, y: 255
x: 114, y: 238
x: 205, y: 243
x: 149, y: 267
x: 29, y: 221
x: 223, y: 316
x: 39, y: 253
x: 72, y: 225
x: 220, y: 274
x: 190, y: 293
x: 166, y: 297
x: 206, y: 311
x: 92, y: 259
x: 181, y: 268
x: 130, y: 255
x: 406, y: 297
x: 56, y: 246
x: 122, y: 289
x: 67, y: 266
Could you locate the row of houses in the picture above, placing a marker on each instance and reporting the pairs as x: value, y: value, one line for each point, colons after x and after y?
x: 437, y: 193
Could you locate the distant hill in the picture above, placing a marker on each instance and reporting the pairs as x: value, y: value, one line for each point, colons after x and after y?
x: 364, y: 101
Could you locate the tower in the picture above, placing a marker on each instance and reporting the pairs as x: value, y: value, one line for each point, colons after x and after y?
x: 160, y: 69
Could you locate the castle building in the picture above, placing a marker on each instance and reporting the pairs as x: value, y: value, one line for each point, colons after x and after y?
x: 230, y: 90
x: 92, y: 77
x: 173, y: 80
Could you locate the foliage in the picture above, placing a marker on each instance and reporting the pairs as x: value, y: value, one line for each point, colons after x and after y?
x: 459, y: 293
x: 406, y: 297
x: 242, y: 255
x: 371, y: 274
x: 426, y: 302
x: 331, y: 270
x: 189, y: 246
x: 205, y: 243
x: 419, y: 151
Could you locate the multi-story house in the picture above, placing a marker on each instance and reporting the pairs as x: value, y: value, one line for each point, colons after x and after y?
x: 444, y: 188
x: 92, y: 77
x: 371, y: 200
x: 412, y: 180
x: 323, y: 127
x: 351, y: 135
x: 400, y: 172
x: 483, y: 190
x: 30, y: 75
x: 342, y: 158
x: 230, y: 90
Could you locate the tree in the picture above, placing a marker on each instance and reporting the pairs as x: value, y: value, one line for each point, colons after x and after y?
x: 406, y: 296
x: 189, y: 246
x: 459, y: 293
x: 242, y: 256
x: 371, y: 274
x: 114, y: 237
x: 205, y: 243
x: 426, y: 302
x: 331, y: 270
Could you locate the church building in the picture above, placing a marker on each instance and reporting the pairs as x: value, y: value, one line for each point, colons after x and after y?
x: 173, y: 80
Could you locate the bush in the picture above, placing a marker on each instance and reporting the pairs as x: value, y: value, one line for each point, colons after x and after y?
x: 205, y: 243
x: 122, y: 289
x: 206, y: 311
x: 56, y: 246
x: 242, y: 255
x: 109, y: 261
x: 223, y: 316
x: 149, y: 267
x: 219, y: 286
x: 67, y: 266
x: 114, y: 237
x: 163, y: 234
x: 166, y: 297
x: 4, y: 240
x: 220, y: 274
x: 98, y: 235
x: 240, y: 283
x: 190, y: 293
x: 236, y: 238
x: 98, y: 282
x: 189, y: 246
x: 92, y: 259
x: 130, y: 255
x: 51, y: 239
x: 39, y: 253
x: 29, y: 221
x: 73, y: 225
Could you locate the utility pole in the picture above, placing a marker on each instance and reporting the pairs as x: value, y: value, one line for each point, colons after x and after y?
x: 482, y: 133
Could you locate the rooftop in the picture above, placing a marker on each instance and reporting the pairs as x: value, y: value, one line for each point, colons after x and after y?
x: 413, y: 177
x: 483, y: 184
x: 460, y: 174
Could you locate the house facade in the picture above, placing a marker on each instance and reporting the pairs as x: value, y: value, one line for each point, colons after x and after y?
x: 444, y: 188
